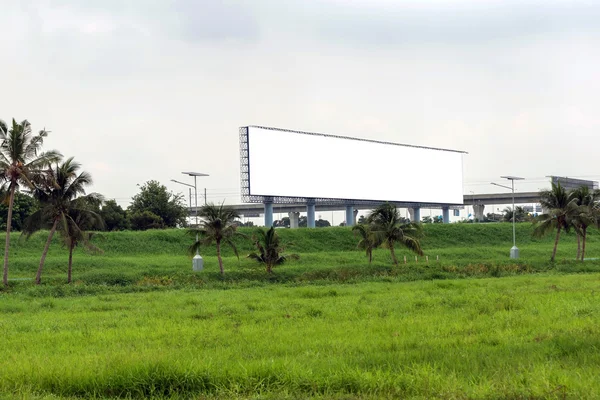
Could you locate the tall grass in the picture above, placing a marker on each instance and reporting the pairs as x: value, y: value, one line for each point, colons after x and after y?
x: 515, y: 337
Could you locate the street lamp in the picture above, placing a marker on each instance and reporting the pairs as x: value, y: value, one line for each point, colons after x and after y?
x: 186, y: 184
x: 197, y: 262
x: 514, y: 251
x: 195, y: 175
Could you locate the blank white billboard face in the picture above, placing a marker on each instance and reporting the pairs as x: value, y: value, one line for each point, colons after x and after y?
x: 291, y: 164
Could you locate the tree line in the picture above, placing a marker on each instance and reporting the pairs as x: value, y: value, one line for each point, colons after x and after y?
x: 154, y: 207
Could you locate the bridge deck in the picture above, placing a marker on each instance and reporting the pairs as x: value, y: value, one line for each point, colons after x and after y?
x: 484, y: 199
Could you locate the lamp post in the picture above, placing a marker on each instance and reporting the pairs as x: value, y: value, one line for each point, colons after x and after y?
x: 514, y: 251
x: 186, y: 184
x: 197, y: 262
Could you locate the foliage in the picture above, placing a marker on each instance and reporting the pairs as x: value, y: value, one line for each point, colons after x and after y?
x: 247, y: 224
x: 144, y: 220
x: 62, y: 198
x: 492, y: 217
x: 114, y: 217
x: 156, y: 199
x: 390, y: 228
x: 319, y: 223
x: 282, y: 223
x: 23, y: 206
x: 437, y: 219
x: 520, y: 215
x: 322, y: 223
x: 561, y: 210
x: 21, y: 163
x: 270, y: 250
x: 217, y: 226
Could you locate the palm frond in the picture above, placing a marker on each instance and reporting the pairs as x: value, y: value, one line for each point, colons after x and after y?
x: 545, y: 223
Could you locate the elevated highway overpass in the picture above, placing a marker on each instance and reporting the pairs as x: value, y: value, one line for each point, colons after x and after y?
x: 477, y: 201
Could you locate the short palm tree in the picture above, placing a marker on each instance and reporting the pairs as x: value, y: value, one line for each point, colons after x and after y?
x: 217, y: 226
x: 561, y: 210
x: 587, y: 214
x: 270, y: 250
x: 60, y: 194
x: 368, y: 240
x: 21, y: 163
x: 389, y: 228
x: 81, y: 219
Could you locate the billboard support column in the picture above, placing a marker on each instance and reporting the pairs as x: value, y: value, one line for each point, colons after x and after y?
x: 349, y: 215
x: 294, y: 216
x: 268, y: 213
x: 446, y: 214
x: 310, y: 213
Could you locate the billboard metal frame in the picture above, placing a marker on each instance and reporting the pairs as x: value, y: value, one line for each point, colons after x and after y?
x: 247, y: 197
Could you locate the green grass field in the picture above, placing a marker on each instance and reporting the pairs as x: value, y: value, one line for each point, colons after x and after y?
x: 138, y: 323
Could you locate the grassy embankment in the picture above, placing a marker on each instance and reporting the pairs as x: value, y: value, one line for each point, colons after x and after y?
x: 326, y: 255
x: 327, y: 325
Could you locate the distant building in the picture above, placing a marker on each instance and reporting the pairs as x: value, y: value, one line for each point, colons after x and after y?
x: 572, y: 183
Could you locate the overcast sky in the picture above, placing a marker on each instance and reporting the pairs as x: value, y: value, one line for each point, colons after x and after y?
x: 144, y: 89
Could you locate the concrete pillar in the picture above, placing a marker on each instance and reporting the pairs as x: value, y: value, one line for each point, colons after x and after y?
x: 349, y: 215
x: 415, y: 214
x: 446, y: 215
x: 478, y: 211
x: 294, y: 216
x: 310, y: 213
x: 268, y: 214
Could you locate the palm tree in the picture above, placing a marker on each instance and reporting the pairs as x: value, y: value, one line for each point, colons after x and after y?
x: 368, y: 240
x: 218, y: 226
x: 579, y: 195
x: 21, y: 163
x: 269, y: 249
x: 80, y: 219
x: 561, y: 209
x: 587, y: 214
x: 390, y: 228
x: 61, y: 195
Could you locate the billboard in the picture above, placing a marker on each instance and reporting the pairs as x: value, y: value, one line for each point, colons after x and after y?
x: 284, y: 163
